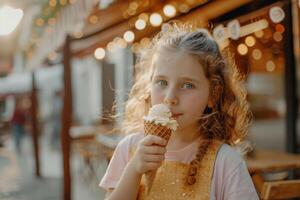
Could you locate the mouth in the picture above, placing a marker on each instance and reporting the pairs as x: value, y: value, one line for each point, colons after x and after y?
x: 176, y: 115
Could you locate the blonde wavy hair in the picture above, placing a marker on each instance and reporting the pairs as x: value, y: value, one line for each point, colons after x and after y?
x: 229, y: 116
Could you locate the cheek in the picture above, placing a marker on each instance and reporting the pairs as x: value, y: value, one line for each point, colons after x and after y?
x: 197, y: 102
x: 156, y: 96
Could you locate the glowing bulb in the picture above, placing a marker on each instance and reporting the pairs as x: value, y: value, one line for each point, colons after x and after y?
x: 279, y: 28
x: 256, y: 54
x: 242, y: 49
x: 270, y: 66
x: 63, y: 2
x: 121, y: 43
x: 133, y: 5
x: 128, y: 36
x: 99, y: 53
x: 144, y: 17
x: 250, y: 41
x: 140, y: 24
x: 9, y: 19
x: 39, y: 22
x: 93, y: 19
x: 259, y: 33
x: 52, y: 3
x: 111, y: 46
x: 277, y: 36
x: 155, y: 19
x: 169, y: 10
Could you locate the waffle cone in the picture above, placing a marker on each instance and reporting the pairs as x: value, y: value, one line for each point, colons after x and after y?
x: 151, y: 128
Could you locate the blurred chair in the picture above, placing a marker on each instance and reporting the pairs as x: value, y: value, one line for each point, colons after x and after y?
x: 285, y: 189
x: 277, y: 189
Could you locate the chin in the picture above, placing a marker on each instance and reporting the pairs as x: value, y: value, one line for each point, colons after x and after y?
x: 185, y: 126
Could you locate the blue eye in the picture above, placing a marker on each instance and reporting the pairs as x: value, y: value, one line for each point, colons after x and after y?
x: 162, y: 82
x: 188, y: 86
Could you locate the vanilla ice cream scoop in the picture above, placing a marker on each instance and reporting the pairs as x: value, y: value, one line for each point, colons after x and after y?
x: 160, y: 114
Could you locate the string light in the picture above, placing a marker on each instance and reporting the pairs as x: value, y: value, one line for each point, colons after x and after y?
x: 276, y: 14
x: 121, y: 42
x: 144, y: 17
x: 270, y: 66
x: 63, y: 2
x: 93, y: 19
x: 140, y: 24
x: 250, y: 41
x: 133, y: 5
x: 131, y: 12
x: 52, y: 3
x: 257, y: 54
x: 277, y: 36
x: 99, y: 53
x: 242, y: 49
x: 111, y: 46
x: 39, y: 22
x: 129, y: 36
x: 279, y: 28
x: 155, y: 19
x: 169, y: 10
x: 259, y: 34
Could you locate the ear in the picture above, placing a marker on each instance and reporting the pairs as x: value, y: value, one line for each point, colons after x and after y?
x: 210, y: 103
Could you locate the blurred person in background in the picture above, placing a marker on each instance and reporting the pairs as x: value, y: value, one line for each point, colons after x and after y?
x: 18, y: 122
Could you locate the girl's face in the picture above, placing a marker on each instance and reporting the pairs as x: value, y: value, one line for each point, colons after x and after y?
x: 179, y: 81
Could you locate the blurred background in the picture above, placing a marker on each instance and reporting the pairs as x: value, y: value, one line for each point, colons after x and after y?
x: 67, y: 65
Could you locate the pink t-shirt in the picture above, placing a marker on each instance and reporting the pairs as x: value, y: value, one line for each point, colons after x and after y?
x: 231, y: 180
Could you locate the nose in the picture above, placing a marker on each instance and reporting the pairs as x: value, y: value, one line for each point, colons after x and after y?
x: 171, y: 97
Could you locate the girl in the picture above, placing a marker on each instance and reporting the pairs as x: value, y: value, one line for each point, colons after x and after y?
x: 184, y: 69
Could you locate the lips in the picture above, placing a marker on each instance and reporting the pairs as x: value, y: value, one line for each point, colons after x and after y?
x: 176, y: 115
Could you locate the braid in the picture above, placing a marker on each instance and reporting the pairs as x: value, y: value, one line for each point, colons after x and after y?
x: 195, y: 164
x: 210, y: 128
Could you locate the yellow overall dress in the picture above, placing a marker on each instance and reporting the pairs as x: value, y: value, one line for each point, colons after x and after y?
x: 170, y: 182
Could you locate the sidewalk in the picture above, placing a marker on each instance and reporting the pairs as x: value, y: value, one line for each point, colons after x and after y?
x: 18, y: 181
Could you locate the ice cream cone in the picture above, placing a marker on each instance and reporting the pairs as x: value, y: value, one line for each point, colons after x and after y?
x: 150, y: 128
x: 159, y: 122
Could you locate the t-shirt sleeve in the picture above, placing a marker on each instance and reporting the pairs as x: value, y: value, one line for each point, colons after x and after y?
x: 231, y: 179
x: 117, y: 165
x: 239, y: 185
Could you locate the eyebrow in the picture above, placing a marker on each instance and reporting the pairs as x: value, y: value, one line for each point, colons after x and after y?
x: 190, y: 79
x: 182, y: 78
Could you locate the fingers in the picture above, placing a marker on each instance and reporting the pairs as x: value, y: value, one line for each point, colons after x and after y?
x: 149, y: 154
x: 154, y: 140
x: 153, y: 158
x: 154, y: 150
x: 152, y: 165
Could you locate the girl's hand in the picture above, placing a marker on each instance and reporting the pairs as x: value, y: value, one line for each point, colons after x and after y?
x: 149, y: 154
